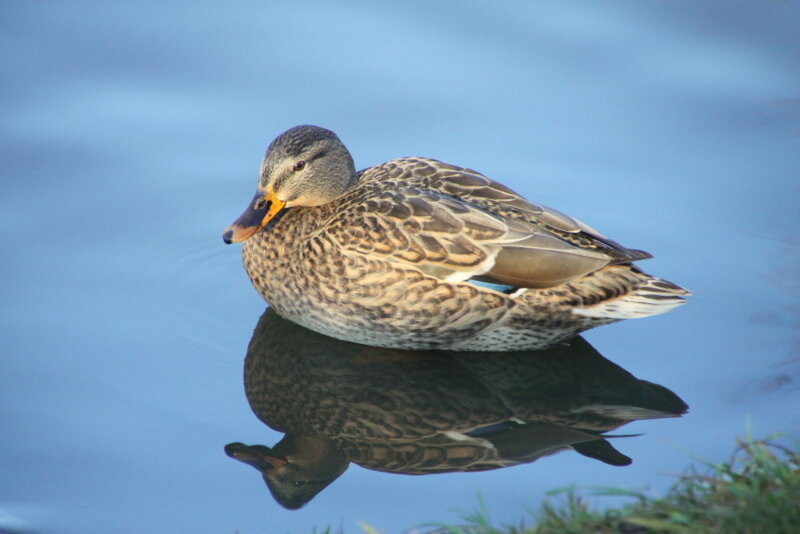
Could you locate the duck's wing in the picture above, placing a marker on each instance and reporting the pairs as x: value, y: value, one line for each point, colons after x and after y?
x: 456, y: 224
x: 474, y: 187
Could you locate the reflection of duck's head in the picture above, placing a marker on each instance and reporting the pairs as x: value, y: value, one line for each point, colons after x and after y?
x: 429, y: 412
x: 296, y: 469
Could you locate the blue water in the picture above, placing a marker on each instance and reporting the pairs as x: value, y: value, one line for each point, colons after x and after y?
x: 131, y: 135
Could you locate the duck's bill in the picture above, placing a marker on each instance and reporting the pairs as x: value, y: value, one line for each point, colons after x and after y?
x: 258, y: 456
x: 261, y: 209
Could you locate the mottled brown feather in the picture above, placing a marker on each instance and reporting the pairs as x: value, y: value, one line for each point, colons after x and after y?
x: 458, y: 224
x: 385, y: 256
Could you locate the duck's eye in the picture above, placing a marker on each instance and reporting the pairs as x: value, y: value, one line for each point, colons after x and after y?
x: 299, y: 166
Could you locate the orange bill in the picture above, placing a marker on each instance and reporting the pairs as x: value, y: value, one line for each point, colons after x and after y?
x: 262, y: 208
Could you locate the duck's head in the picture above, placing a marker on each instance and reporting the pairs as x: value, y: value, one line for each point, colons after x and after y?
x: 304, y: 166
x: 296, y: 469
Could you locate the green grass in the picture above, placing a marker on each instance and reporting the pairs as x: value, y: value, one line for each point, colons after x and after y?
x: 756, y: 491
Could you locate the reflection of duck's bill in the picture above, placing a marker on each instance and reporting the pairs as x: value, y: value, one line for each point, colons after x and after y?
x: 262, y: 208
x: 259, y: 456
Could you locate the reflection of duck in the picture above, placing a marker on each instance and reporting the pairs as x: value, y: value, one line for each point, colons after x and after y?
x: 384, y: 256
x: 428, y: 412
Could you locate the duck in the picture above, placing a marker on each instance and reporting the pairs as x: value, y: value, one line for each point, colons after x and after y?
x: 418, y: 254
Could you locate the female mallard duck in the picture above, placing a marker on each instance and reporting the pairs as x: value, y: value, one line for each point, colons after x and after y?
x: 418, y: 254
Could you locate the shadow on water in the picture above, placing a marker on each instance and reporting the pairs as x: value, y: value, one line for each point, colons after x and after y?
x: 428, y: 412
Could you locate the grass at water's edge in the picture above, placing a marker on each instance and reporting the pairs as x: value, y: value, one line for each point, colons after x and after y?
x: 756, y: 491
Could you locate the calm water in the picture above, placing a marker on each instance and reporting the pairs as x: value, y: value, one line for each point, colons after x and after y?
x: 131, y: 136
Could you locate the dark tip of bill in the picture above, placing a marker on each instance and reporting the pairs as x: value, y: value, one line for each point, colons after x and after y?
x: 232, y: 448
x: 228, y: 237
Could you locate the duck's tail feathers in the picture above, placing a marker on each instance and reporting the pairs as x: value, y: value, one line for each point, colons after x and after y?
x: 652, y: 297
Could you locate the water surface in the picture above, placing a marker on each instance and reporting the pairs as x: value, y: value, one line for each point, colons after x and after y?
x: 131, y: 135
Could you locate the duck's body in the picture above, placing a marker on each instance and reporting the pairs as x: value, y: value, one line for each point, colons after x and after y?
x: 394, y: 255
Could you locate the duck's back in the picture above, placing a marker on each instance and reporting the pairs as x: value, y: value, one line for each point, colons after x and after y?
x: 457, y: 224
